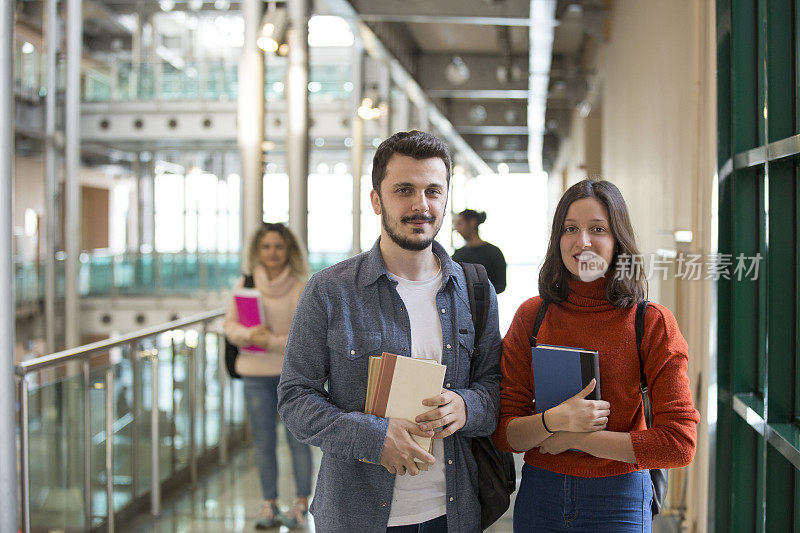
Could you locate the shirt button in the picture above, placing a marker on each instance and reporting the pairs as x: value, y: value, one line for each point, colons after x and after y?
x: 448, y: 346
x: 352, y: 352
x: 383, y: 504
x: 452, y: 499
x: 450, y: 461
x: 443, y: 311
x: 448, y: 385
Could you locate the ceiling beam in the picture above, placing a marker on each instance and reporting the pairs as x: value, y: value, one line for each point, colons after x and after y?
x: 477, y: 9
x: 484, y: 72
x: 467, y: 113
x: 448, y: 19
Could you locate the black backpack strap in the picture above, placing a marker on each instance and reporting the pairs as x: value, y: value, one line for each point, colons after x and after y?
x: 478, y: 292
x: 249, y: 282
x: 639, y: 326
x: 539, y: 319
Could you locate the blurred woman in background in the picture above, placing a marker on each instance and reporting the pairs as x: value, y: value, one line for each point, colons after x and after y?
x: 478, y: 250
x: 279, y: 272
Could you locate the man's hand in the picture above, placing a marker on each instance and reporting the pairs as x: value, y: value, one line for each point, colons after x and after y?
x: 578, y: 414
x: 450, y: 414
x: 557, y: 443
x: 399, y: 449
x: 259, y: 335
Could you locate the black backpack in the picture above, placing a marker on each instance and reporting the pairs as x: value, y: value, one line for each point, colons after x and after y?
x: 497, y: 475
x: 231, y: 350
x: 658, y: 476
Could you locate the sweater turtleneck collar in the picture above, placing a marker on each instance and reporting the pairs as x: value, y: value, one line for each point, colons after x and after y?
x: 273, y: 288
x: 588, y: 294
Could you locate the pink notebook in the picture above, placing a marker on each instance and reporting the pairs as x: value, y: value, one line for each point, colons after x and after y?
x: 250, y: 310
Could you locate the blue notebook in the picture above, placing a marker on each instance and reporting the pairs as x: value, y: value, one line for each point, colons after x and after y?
x: 559, y: 373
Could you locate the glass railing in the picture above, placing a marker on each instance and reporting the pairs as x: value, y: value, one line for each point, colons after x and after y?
x: 104, y: 274
x: 203, y: 81
x: 105, y: 427
x: 135, y: 274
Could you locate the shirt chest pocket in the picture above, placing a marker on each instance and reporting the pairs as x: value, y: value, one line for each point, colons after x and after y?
x: 354, y: 345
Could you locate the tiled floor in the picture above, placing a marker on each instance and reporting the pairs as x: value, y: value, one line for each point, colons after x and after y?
x: 229, y: 498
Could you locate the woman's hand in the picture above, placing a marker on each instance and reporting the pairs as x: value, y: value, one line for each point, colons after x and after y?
x: 557, y: 443
x: 577, y: 414
x: 259, y: 335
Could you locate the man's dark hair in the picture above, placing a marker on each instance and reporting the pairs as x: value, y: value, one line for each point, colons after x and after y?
x: 414, y: 143
x: 622, y: 291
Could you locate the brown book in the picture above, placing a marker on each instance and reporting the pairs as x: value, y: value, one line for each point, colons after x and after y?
x: 396, y: 386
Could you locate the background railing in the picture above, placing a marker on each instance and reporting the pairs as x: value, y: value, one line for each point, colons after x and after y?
x: 105, y: 427
x: 137, y: 274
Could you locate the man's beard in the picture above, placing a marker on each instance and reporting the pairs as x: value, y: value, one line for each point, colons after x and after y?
x: 404, y: 242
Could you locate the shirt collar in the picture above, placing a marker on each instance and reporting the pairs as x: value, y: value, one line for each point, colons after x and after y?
x: 375, y: 267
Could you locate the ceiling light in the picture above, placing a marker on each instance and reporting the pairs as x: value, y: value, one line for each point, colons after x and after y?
x: 368, y: 110
x: 195, y: 5
x: 477, y: 114
x: 502, y: 168
x: 27, y: 48
x: 166, y: 5
x: 273, y: 30
x: 222, y: 5
x: 457, y: 71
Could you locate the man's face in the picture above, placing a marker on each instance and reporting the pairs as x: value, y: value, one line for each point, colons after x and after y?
x: 412, y: 200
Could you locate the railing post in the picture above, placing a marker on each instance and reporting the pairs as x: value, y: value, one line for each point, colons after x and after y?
x: 202, y: 363
x: 24, y: 456
x: 137, y: 407
x: 155, y: 445
x: 87, y: 446
x: 109, y: 466
x: 223, y: 397
x: 192, y: 353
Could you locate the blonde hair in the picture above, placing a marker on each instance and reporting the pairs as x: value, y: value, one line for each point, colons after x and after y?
x: 294, y: 254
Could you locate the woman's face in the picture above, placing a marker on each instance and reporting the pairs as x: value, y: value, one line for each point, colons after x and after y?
x: 464, y: 226
x: 587, y: 244
x: 272, y: 251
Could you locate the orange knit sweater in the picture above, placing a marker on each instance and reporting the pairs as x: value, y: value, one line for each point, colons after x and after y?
x: 587, y: 320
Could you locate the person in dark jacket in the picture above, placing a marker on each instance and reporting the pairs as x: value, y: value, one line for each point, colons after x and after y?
x: 478, y: 250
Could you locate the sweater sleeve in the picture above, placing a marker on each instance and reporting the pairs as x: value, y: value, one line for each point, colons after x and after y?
x: 671, y: 441
x: 516, y: 388
x: 234, y: 331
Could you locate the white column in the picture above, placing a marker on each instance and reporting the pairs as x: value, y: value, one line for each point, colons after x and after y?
x: 50, y: 174
x: 251, y: 122
x: 297, y: 124
x: 357, y: 149
x: 8, y: 415
x: 72, y: 193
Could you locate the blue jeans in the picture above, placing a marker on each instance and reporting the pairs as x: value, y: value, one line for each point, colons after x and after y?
x: 261, y: 396
x: 436, y: 525
x: 547, y: 501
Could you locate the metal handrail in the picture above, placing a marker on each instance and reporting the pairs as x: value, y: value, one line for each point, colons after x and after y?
x: 84, y: 354
x: 81, y: 352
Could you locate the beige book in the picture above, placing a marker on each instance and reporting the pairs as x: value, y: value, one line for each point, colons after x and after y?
x: 401, y: 385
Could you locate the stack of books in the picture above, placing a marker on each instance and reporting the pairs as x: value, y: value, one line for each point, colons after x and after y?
x: 396, y: 386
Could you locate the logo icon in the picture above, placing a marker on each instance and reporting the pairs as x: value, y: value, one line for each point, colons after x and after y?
x: 591, y: 266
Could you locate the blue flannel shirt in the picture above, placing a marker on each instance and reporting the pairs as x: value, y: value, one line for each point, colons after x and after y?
x: 348, y: 312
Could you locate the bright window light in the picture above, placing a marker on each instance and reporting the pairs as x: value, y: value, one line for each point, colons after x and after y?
x: 326, y: 30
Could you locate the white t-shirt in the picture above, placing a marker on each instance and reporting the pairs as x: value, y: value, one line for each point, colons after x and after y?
x: 422, y: 497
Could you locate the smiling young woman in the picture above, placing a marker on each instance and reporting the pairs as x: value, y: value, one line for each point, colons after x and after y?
x: 586, y: 461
